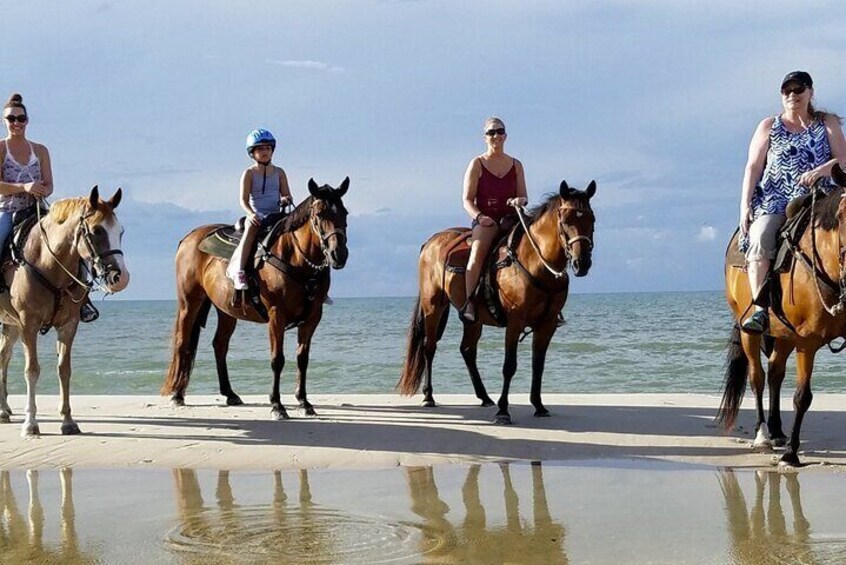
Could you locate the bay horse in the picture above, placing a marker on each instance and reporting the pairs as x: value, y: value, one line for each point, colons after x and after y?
x: 293, y: 283
x: 812, y: 303
x: 44, y: 290
x: 529, y: 273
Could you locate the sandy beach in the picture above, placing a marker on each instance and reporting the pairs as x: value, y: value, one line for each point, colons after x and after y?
x: 359, y: 431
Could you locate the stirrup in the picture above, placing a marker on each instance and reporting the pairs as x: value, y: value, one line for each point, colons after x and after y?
x: 757, y: 323
x: 88, y: 313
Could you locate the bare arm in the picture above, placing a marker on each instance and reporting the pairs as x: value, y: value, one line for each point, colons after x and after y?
x: 522, y: 197
x: 838, y: 152
x: 471, y: 183
x: 246, y: 187
x: 46, y: 169
x: 754, y: 169
x: 284, y: 190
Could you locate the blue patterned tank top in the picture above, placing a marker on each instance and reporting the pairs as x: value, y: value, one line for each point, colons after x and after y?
x: 16, y: 173
x: 264, y: 193
x: 789, y: 155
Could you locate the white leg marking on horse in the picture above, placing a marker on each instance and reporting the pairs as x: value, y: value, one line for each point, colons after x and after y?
x: 762, y: 438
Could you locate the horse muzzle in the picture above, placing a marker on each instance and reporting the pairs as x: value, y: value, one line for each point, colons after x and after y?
x: 115, y: 278
x: 582, y: 264
x: 338, y: 257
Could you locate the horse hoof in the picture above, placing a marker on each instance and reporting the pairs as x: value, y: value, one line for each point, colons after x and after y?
x: 487, y: 402
x: 30, y: 431
x: 542, y: 413
x: 309, y: 410
x: 234, y: 400
x: 779, y: 441
x: 789, y: 460
x: 763, y: 447
x: 428, y: 403
x: 5, y: 418
x: 276, y: 414
x: 503, y: 420
x: 177, y: 401
x: 70, y: 429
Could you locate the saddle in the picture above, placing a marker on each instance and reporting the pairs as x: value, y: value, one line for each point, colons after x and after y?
x: 455, y: 257
x: 22, y: 223
x: 222, y: 242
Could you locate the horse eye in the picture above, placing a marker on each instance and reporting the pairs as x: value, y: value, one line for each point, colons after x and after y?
x: 579, y: 214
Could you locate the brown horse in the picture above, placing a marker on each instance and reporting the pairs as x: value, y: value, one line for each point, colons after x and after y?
x: 531, y: 284
x: 294, y: 282
x: 813, y: 301
x: 44, y: 290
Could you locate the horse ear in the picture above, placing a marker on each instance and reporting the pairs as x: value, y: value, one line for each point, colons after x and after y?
x: 115, y: 199
x: 591, y: 189
x: 94, y: 197
x: 838, y: 175
x: 312, y: 188
x: 564, y: 189
x: 342, y: 190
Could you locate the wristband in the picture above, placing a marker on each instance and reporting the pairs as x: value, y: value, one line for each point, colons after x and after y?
x: 479, y: 215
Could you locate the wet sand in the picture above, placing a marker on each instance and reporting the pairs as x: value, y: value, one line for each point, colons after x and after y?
x: 355, y: 431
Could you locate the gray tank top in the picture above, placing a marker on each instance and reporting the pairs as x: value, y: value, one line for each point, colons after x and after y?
x: 264, y: 193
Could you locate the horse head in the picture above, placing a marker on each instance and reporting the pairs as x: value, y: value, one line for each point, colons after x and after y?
x: 575, y: 225
x: 100, y: 234
x: 329, y: 221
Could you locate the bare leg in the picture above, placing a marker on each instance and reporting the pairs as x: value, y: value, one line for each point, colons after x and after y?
x: 32, y: 370
x: 64, y: 343
x: 8, y: 336
x: 757, y: 273
x: 482, y: 239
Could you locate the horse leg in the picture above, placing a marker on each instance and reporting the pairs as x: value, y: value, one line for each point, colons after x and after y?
x: 469, y: 348
x: 752, y: 347
x: 32, y: 370
x: 225, y: 327
x: 190, y: 315
x: 801, y: 402
x: 276, y: 329
x: 304, y: 334
x: 432, y: 329
x: 509, y: 367
x: 8, y: 336
x: 64, y: 343
x: 775, y: 377
x: 540, y: 343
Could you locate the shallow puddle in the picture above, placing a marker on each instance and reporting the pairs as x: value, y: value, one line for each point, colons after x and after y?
x: 609, y: 511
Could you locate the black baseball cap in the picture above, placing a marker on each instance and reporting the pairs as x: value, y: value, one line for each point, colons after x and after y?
x: 801, y: 77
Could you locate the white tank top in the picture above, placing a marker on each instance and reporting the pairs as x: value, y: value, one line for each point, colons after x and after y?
x: 17, y: 173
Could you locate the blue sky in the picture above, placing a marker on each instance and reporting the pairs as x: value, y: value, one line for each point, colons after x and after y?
x: 656, y: 100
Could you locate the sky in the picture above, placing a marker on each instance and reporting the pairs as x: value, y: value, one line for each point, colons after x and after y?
x: 655, y: 100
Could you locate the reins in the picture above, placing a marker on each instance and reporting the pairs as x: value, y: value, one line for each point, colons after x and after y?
x: 554, y: 272
x: 837, y: 308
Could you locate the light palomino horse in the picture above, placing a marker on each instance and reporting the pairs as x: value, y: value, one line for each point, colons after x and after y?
x: 45, y: 290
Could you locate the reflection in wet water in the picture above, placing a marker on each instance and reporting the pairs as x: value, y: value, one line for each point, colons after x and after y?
x: 760, y: 534
x: 22, y: 538
x: 506, y: 513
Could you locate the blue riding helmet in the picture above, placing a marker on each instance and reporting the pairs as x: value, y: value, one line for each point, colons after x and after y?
x: 258, y: 137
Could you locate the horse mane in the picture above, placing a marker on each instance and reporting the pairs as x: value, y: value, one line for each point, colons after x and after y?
x: 298, y: 217
x: 826, y: 210
x: 63, y: 209
x: 549, y: 200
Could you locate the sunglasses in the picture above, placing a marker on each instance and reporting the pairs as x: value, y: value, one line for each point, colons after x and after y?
x: 21, y: 119
x: 798, y: 89
x: 493, y: 132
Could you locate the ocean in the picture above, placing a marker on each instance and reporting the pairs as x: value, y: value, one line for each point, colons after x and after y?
x: 612, y: 343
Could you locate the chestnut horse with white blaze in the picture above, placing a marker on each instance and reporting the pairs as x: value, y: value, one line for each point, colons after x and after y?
x: 813, y: 303
x: 293, y: 284
x: 44, y: 289
x: 530, y: 282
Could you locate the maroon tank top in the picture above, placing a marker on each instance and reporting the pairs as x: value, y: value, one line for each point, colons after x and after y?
x: 492, y: 192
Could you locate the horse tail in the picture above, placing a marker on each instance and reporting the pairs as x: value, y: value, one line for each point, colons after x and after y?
x: 737, y: 367
x: 415, y: 357
x: 182, y: 360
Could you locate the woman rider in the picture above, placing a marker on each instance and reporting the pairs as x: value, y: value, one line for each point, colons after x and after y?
x: 493, y: 183
x: 26, y: 175
x: 788, y: 153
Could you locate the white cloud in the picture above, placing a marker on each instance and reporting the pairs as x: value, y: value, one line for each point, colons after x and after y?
x: 307, y: 64
x: 707, y: 233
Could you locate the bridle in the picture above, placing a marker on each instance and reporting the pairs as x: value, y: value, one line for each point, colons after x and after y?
x: 323, y: 239
x: 569, y: 241
x: 839, y: 307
